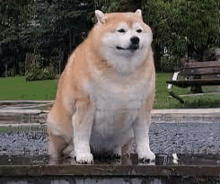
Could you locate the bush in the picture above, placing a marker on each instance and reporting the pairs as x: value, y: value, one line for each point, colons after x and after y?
x: 168, y: 64
x: 38, y: 73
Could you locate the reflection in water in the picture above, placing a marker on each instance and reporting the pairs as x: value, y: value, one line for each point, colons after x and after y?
x: 161, y: 159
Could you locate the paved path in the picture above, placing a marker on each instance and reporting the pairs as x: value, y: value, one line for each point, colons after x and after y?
x: 167, y: 138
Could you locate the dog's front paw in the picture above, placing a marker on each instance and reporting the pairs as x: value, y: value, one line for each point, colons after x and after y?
x: 84, y: 158
x: 147, y: 157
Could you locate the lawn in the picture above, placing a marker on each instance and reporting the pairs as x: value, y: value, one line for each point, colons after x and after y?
x: 163, y: 101
x: 16, y: 88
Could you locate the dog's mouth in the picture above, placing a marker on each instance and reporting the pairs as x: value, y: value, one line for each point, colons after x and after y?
x: 132, y: 47
x: 120, y: 48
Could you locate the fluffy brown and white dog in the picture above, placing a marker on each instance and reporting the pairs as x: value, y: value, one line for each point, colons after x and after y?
x: 106, y: 92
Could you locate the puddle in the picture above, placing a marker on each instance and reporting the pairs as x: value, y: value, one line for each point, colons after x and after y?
x: 23, y: 160
x: 208, y: 160
x: 189, y: 160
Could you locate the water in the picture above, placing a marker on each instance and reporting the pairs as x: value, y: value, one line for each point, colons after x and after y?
x: 209, y: 160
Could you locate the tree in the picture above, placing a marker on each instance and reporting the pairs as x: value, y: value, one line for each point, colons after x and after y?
x: 58, y: 25
x: 55, y: 27
x: 182, y: 25
x: 201, y: 25
x: 44, y: 27
x: 13, y: 15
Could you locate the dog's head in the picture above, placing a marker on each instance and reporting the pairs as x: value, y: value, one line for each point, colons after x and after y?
x: 123, y: 39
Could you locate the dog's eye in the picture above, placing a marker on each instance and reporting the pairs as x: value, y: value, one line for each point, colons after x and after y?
x: 121, y: 31
x: 139, y: 30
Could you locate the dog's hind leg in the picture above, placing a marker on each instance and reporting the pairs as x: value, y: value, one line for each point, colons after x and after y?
x: 56, y: 146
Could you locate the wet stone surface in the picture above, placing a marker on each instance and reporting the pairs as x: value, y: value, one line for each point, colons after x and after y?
x: 194, y: 143
x: 161, y: 159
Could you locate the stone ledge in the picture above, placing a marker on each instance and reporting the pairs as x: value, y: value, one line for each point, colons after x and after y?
x: 158, y: 115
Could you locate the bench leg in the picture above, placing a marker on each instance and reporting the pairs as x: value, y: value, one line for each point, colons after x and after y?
x: 169, y: 87
x: 176, y: 96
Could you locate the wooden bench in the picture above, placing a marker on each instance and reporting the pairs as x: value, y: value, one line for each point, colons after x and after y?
x: 195, y: 74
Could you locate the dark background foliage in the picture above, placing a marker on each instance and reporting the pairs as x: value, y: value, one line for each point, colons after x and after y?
x: 50, y: 30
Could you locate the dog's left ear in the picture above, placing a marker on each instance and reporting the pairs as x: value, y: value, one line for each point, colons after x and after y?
x: 100, y: 16
x: 139, y: 12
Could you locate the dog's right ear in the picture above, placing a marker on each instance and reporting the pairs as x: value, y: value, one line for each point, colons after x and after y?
x: 139, y: 12
x: 100, y: 16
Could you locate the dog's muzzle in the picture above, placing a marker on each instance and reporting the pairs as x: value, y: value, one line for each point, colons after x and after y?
x: 134, y: 44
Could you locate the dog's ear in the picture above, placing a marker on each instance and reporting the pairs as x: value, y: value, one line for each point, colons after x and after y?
x: 100, y: 16
x: 139, y: 12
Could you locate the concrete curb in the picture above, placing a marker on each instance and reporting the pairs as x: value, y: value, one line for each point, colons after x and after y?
x: 21, y: 124
x: 15, y: 117
x: 186, y: 115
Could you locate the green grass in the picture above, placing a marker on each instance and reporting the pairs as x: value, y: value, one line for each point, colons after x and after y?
x: 11, y: 130
x: 16, y: 88
x: 3, y: 129
x: 164, y: 102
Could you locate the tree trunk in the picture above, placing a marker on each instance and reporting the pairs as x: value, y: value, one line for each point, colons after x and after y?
x: 6, y: 69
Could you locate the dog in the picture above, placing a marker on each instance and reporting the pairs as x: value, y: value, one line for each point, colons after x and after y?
x: 106, y: 92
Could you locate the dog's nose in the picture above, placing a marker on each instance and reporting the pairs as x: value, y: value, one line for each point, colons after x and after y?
x: 135, y: 40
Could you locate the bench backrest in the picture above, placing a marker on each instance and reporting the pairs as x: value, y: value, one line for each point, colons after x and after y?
x: 201, y: 68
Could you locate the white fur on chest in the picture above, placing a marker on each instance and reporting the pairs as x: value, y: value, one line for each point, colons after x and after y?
x: 108, y: 96
x: 116, y: 109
